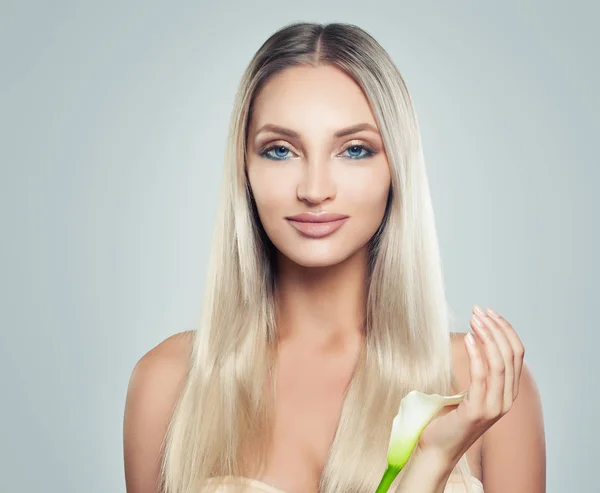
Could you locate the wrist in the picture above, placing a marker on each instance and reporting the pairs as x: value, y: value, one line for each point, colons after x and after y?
x: 427, y: 471
x: 436, y: 461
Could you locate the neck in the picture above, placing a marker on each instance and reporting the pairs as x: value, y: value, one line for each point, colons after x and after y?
x: 323, y: 307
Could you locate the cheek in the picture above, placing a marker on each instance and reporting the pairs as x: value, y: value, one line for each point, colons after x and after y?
x: 271, y: 191
x: 367, y: 191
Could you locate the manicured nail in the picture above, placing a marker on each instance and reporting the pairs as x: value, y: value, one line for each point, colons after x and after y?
x: 479, y: 311
x: 470, y: 339
x: 478, y: 321
x: 492, y: 313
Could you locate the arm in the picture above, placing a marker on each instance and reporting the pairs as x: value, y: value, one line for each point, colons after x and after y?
x: 493, y: 392
x: 514, y: 450
x: 425, y: 473
x: 155, y: 383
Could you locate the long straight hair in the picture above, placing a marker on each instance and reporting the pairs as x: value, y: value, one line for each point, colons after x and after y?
x: 225, y: 412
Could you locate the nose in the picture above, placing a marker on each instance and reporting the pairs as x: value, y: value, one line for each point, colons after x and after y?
x: 317, y: 183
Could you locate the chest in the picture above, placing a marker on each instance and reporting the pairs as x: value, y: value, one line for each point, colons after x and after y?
x: 307, y: 405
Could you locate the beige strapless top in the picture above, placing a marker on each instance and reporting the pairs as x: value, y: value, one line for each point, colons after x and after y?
x: 238, y: 484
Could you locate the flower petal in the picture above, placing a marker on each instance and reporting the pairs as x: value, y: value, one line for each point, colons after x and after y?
x: 417, y: 409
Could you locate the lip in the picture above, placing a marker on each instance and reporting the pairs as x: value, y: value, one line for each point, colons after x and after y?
x: 320, y: 217
x: 317, y: 225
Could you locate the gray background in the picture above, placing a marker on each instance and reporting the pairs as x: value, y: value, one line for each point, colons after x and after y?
x: 113, y: 118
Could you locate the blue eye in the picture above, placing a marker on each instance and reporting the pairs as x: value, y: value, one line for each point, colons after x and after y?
x: 281, y: 150
x: 278, y: 148
x: 368, y: 152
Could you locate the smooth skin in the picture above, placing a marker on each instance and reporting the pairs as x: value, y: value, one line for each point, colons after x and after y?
x: 513, y: 448
x: 321, y: 300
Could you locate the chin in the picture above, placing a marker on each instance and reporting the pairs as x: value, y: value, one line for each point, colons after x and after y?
x: 306, y: 258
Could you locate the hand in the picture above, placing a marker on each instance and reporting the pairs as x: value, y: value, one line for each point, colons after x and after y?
x: 493, y: 388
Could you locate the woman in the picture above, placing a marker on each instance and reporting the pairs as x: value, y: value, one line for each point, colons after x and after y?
x: 325, y: 305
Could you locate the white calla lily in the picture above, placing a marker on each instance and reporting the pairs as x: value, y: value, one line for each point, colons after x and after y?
x: 417, y: 409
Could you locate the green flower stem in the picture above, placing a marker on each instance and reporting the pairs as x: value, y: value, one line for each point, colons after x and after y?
x: 388, y: 478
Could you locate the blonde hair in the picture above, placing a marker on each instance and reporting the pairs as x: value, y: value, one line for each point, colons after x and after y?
x: 225, y: 407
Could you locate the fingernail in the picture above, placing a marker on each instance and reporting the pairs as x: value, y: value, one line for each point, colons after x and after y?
x: 478, y: 321
x: 470, y: 339
x: 492, y: 312
x: 478, y: 310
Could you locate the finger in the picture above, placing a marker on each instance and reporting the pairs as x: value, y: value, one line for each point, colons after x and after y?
x: 495, y: 386
x: 508, y: 357
x: 477, y: 386
x: 516, y: 344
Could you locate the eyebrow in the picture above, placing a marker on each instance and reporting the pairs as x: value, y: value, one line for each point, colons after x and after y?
x: 340, y: 133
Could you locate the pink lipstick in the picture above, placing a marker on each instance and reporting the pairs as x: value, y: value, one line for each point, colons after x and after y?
x: 317, y: 225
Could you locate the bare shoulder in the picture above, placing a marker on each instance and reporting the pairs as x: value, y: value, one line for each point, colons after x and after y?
x: 155, y: 384
x: 159, y: 373
x: 173, y: 348
x: 163, y: 365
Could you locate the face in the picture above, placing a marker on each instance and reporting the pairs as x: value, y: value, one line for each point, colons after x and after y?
x: 314, y: 153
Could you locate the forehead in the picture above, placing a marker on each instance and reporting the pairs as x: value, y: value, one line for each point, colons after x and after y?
x: 305, y: 98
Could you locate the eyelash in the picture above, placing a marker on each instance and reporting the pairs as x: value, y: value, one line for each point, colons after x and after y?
x: 371, y: 152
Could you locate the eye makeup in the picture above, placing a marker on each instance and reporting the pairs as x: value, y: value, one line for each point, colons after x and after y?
x: 353, y: 147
